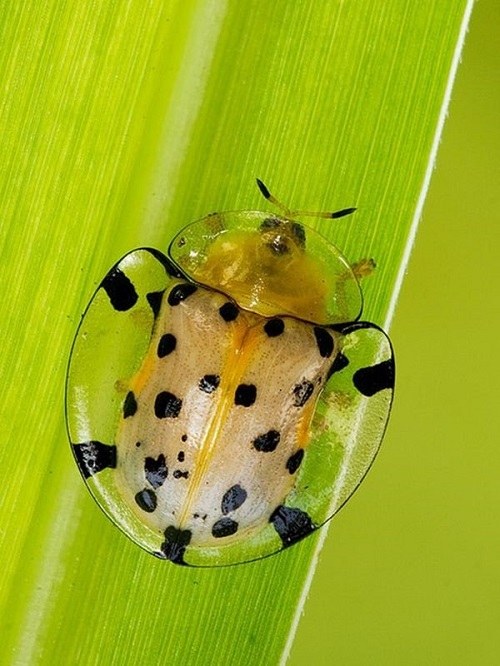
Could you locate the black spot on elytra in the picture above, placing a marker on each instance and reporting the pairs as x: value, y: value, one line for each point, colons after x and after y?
x: 274, y: 327
x: 374, y: 378
x: 302, y: 392
x: 167, y: 405
x: 166, y: 345
x: 245, y: 395
x: 294, y: 461
x: 324, y: 341
x: 154, y: 299
x: 339, y: 364
x: 180, y: 292
x: 138, y: 444
x: 291, y: 524
x: 92, y: 457
x: 129, y: 405
x: 146, y: 500
x: 175, y: 544
x: 267, y: 442
x: 179, y: 474
x: 180, y: 456
x: 208, y: 383
x: 184, y: 438
x: 233, y: 499
x: 228, y: 311
x: 155, y: 471
x: 120, y: 290
x: 224, y: 527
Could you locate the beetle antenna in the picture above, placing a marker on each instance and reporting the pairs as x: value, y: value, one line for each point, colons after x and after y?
x: 272, y: 199
x: 300, y: 213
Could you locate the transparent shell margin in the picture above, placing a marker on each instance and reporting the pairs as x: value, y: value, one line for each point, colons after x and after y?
x: 270, y: 265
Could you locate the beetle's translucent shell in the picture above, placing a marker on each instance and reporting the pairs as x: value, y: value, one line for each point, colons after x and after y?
x: 225, y: 402
x: 269, y: 265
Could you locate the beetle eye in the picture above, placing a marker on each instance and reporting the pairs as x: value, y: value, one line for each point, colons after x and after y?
x: 299, y: 234
x: 281, y: 235
x: 270, y: 223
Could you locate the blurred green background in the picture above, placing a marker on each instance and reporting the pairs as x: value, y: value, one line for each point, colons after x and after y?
x: 410, y: 572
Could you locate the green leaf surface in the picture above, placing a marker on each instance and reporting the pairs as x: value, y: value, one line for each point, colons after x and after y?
x: 120, y: 123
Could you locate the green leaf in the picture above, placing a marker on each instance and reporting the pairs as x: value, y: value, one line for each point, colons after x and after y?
x: 120, y: 123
